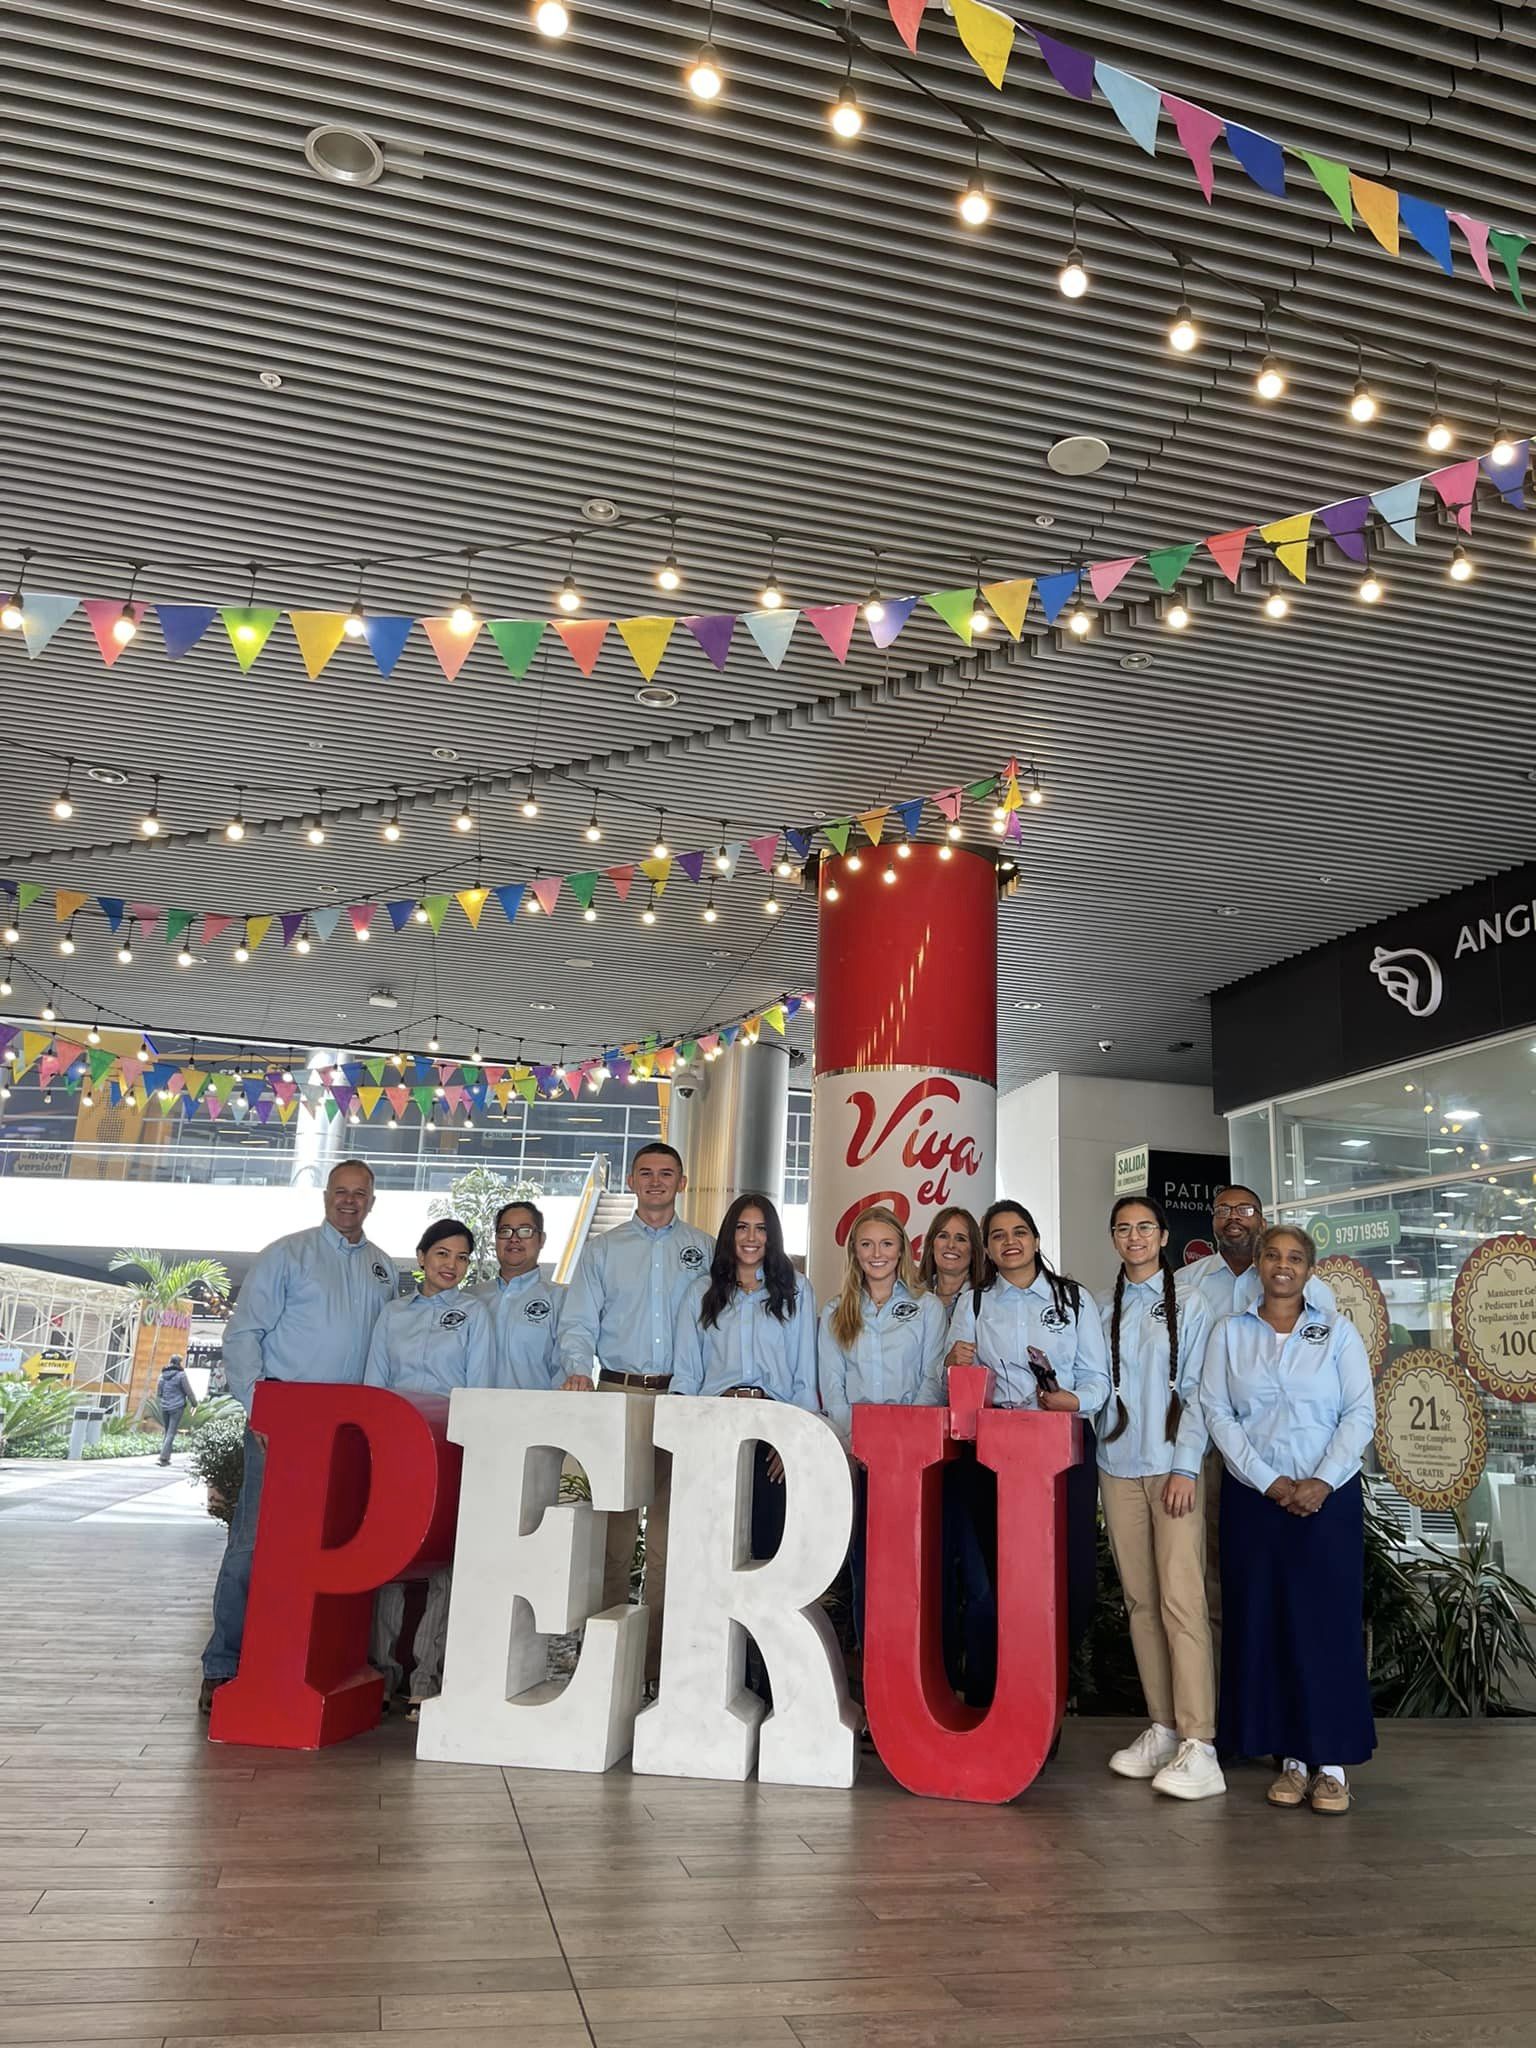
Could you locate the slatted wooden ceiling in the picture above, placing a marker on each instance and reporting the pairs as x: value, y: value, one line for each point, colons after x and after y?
x: 479, y: 343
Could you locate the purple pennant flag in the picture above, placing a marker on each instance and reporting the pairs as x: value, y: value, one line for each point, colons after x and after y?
x: 714, y: 635
x: 290, y: 921
x: 545, y: 1076
x: 7, y: 1034
x: 897, y: 612
x: 1347, y: 522
x: 264, y: 1108
x: 1071, y: 69
x: 620, y: 1069
x: 344, y: 1097
x: 692, y: 865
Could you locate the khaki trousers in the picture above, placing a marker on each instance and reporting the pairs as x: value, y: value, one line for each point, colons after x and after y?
x: 1161, y: 1562
x: 623, y: 1533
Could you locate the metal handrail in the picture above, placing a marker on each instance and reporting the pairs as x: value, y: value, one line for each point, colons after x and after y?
x: 594, y: 1187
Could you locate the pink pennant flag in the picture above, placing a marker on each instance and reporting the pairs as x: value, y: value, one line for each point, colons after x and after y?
x: 621, y: 879
x: 104, y: 613
x: 574, y: 1078
x: 455, y: 1098
x: 146, y: 916
x: 834, y: 622
x: 130, y: 1071
x: 908, y: 16
x: 213, y: 1102
x: 49, y: 1065
x: 451, y: 648
x: 1226, y: 551
x: 948, y: 802
x: 213, y: 924
x: 361, y: 915
x: 765, y: 849
x: 67, y: 1051
x: 1198, y: 131
x: 1455, y: 486
x: 285, y: 1091
x: 494, y: 1075
x: 1108, y: 576
x: 1476, y: 232
x: 547, y: 890
x: 397, y: 1098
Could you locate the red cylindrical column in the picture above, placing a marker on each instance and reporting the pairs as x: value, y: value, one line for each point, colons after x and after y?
x: 904, y: 1109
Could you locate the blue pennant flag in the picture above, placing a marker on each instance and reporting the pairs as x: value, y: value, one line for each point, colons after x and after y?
x: 1137, y: 105
x: 182, y: 626
x: 799, y: 843
x: 773, y: 632
x: 1260, y: 156
x: 509, y: 898
x: 1398, y: 505
x: 386, y: 639
x: 1430, y: 227
x: 1508, y: 478
x: 111, y: 910
x: 1054, y: 592
x: 911, y: 814
x: 400, y: 914
x: 896, y: 614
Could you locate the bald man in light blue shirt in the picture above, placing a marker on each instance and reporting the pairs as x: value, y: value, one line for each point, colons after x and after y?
x: 306, y: 1312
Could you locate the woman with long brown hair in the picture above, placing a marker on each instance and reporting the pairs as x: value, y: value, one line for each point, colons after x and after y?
x: 954, y: 1257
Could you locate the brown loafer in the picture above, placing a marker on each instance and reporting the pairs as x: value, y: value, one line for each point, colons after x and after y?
x: 1327, y: 1795
x: 1289, y: 1789
x: 206, y: 1692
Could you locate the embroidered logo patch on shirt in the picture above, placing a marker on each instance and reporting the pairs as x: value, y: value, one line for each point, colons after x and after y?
x: 536, y: 1311
x: 1159, y: 1311
x: 1315, y: 1333
x: 454, y: 1317
x: 904, y: 1311
x: 380, y: 1271
x: 691, y: 1256
x: 1052, y: 1319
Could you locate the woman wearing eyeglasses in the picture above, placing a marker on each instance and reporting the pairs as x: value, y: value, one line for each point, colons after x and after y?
x: 1288, y: 1400
x: 1151, y: 1440
x: 1040, y: 1333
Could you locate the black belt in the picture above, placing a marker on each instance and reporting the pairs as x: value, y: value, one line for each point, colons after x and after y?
x: 656, y: 1383
x: 745, y: 1394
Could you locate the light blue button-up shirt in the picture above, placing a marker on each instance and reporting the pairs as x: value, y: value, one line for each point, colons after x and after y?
x: 525, y: 1314
x: 748, y: 1347
x: 626, y: 1298
x: 432, y: 1343
x: 1302, y: 1406
x: 1014, y: 1318
x: 1226, y: 1293
x: 896, y: 1361
x: 1143, y: 1450
x: 307, y: 1311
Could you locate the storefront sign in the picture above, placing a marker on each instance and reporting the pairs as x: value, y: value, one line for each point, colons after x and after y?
x: 1360, y: 1298
x: 1431, y: 1436
x: 1493, y: 1316
x: 1375, y: 1230
x: 1131, y: 1171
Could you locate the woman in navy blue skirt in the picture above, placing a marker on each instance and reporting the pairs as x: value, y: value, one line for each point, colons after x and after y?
x: 1289, y: 1403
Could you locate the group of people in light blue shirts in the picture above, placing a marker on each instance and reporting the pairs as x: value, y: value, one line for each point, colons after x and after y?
x: 1226, y: 1408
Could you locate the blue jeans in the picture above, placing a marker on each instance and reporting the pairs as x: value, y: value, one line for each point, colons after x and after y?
x: 221, y: 1657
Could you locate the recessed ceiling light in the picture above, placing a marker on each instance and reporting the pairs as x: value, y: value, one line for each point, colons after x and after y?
x: 1045, y: 519
x: 1135, y: 662
x: 1029, y: 1006
x: 578, y: 963
x: 110, y: 778
x: 272, y: 379
x: 600, y: 511
x: 656, y: 697
x: 315, y: 746
x: 343, y: 155
x: 720, y: 956
x: 445, y: 753
x: 1227, y: 910
x: 541, y: 1006
x: 1078, y: 455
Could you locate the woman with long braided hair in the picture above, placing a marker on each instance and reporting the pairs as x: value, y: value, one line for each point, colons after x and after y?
x: 1151, y: 1441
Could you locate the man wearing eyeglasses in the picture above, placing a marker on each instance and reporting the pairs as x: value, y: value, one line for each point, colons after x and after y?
x: 524, y: 1305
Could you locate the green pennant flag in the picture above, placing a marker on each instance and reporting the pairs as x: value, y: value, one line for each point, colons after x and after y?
x: 436, y: 908
x: 978, y: 792
x: 332, y: 1108
x: 1334, y: 179
x: 375, y: 1071
x: 582, y: 887
x: 527, y: 1087
x: 222, y: 1086
x: 424, y: 1099
x: 954, y: 607
x: 27, y: 894
x: 1510, y: 248
x: 688, y: 1051
x: 176, y: 922
x: 518, y: 640
x: 838, y: 834
x: 98, y: 1060
x: 1169, y: 564
x: 469, y: 1076
x: 249, y: 628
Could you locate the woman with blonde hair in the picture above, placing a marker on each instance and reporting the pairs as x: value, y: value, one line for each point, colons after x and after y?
x: 881, y: 1339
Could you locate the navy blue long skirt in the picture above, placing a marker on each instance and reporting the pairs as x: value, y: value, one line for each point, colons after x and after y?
x: 1293, y: 1676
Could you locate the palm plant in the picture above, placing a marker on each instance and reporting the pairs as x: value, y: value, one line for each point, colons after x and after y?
x: 28, y: 1412
x: 165, y: 1282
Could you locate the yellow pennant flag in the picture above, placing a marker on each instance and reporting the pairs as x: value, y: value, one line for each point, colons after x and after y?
x: 66, y: 903
x: 1377, y: 207
x: 370, y: 1099
x: 503, y: 1091
x: 285, y: 1109
x: 319, y: 634
x: 873, y: 823
x: 192, y: 1082
x: 472, y: 902
x: 646, y: 640
x: 1014, y: 796
x: 256, y: 929
x: 1010, y: 601
x: 774, y: 1015
x: 33, y: 1045
x: 987, y: 35
x: 1288, y: 538
x: 657, y: 871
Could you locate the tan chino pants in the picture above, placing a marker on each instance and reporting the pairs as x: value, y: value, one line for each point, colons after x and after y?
x: 1161, y: 1562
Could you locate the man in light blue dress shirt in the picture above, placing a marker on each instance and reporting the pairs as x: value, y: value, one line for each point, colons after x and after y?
x: 523, y: 1304
x: 306, y: 1312
x: 623, y: 1308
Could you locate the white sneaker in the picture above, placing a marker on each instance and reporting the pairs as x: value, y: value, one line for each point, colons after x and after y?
x: 1193, y: 1774
x: 1146, y: 1756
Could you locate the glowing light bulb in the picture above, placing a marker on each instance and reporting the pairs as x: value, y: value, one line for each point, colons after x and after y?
x: 1073, y: 276
x: 784, y: 867
x: 1461, y: 569
x: 706, y: 78
x: 854, y: 864
x: 589, y: 915
x: 125, y: 953
x: 874, y: 608
x: 11, y: 614
x: 723, y: 861
x: 1178, y: 618
x: 1036, y: 797
x: 66, y: 945
x: 889, y: 875
x: 315, y: 832
x: 647, y: 916
x: 530, y: 809
x: 125, y: 626
x: 846, y: 115
x: 356, y: 622
x: 1439, y: 435
x: 711, y: 915
x: 831, y: 892
x: 93, y: 1036
x: 1369, y: 589
x: 63, y: 804
x: 975, y: 204
x: 568, y: 597
x: 463, y: 618
x: 149, y: 824
x: 362, y: 934
x: 772, y: 906
x: 242, y: 952
x: 465, y: 821
x: 981, y: 621
x: 421, y: 914
x: 391, y: 829
x: 659, y: 850
x: 11, y: 935
x: 770, y: 597
x: 551, y: 18
x: 1276, y: 605
x: 594, y: 831
x: 904, y: 850
x: 1183, y: 334
x: 1502, y: 453
x: 49, y: 1014
x: 1362, y: 402
x: 670, y: 576
x: 1270, y: 382
x: 1080, y: 622
x: 183, y: 958
x: 955, y: 832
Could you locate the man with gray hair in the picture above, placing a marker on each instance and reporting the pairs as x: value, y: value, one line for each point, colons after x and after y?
x: 306, y: 1312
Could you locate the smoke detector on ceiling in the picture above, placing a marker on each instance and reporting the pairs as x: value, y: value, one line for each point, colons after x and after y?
x: 383, y: 999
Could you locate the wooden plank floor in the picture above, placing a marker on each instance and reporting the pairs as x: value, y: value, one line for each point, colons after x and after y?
x: 157, y: 1890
